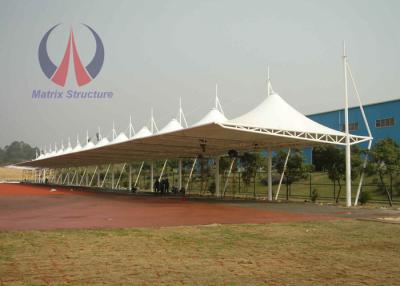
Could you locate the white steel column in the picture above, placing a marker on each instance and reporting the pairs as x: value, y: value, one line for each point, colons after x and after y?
x: 105, y: 175
x: 162, y: 170
x: 190, y: 175
x: 130, y: 177
x: 64, y: 180
x: 368, y: 130
x: 73, y: 178
x: 217, y: 189
x: 98, y: 178
x: 83, y: 175
x: 112, y: 176
x: 269, y: 174
x: 151, y: 175
x: 53, y: 176
x: 362, y: 175
x: 346, y: 126
x: 120, y: 176
x: 283, y: 173
x: 59, y: 180
x: 227, y: 177
x: 76, y: 177
x: 180, y: 174
x: 138, y: 175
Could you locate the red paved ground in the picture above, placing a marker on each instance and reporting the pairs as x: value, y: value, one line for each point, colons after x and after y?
x: 25, y: 207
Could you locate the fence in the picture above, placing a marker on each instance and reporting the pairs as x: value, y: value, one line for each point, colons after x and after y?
x: 235, y: 187
x: 303, y: 189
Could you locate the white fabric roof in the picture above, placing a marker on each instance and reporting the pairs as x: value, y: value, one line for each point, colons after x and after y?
x: 68, y: 150
x: 77, y: 148
x: 275, y: 113
x: 272, y: 124
x: 52, y: 153
x: 104, y: 141
x: 214, y: 115
x: 173, y: 125
x: 120, y: 138
x: 144, y: 132
x: 88, y: 145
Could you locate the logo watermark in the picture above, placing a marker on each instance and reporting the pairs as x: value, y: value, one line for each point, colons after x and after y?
x: 83, y: 74
x: 70, y: 94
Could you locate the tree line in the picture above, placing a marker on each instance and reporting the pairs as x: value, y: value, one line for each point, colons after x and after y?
x: 383, y: 165
x: 17, y: 151
x: 383, y: 161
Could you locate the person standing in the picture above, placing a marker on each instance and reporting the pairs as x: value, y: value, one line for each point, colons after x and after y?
x: 156, y: 186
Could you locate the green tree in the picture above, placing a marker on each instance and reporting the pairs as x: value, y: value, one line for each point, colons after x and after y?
x: 2, y: 155
x: 224, y: 164
x: 205, y: 171
x: 171, y: 164
x: 332, y: 159
x: 250, y: 163
x: 385, y: 161
x: 19, y: 151
x: 295, y: 168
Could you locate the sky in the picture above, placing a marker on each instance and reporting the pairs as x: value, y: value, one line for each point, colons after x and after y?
x: 159, y: 51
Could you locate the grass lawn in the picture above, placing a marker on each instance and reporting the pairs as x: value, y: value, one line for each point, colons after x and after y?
x: 10, y: 174
x: 300, y: 189
x: 313, y: 253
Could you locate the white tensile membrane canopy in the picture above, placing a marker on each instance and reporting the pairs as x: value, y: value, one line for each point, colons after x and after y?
x: 273, y: 124
x: 120, y: 138
x: 103, y: 142
x: 68, y: 149
x: 144, y: 132
x: 89, y: 145
x: 77, y: 147
x: 213, y: 116
x: 276, y: 114
x: 172, y: 126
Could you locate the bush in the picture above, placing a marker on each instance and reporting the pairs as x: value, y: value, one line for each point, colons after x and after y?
x: 314, y: 195
x: 364, y: 197
x: 275, y: 180
x: 396, y: 186
x: 211, y: 188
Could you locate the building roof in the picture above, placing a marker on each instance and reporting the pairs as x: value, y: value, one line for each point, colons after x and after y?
x: 356, y: 107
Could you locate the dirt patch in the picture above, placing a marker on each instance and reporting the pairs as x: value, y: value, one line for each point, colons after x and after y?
x: 26, y: 207
x: 14, y: 190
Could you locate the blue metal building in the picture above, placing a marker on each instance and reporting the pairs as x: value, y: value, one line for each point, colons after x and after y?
x: 383, y: 119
